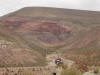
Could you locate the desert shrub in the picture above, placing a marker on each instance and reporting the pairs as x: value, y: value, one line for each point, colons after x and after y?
x: 96, y: 70
x: 71, y: 71
x: 6, y: 73
x: 26, y: 72
x: 1, y: 65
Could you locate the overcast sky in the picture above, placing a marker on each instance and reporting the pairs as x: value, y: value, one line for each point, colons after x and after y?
x: 7, y: 6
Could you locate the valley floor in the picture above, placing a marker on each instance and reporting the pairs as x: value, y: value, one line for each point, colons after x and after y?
x: 47, y: 70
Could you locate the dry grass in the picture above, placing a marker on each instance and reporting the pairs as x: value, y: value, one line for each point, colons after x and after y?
x: 71, y: 71
x: 21, y: 71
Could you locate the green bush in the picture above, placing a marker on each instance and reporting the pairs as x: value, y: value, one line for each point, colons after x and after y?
x: 96, y: 70
x: 71, y: 71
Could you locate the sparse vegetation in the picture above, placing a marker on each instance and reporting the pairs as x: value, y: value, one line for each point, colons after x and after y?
x: 18, y: 71
x: 71, y: 71
x: 27, y: 72
x: 96, y: 70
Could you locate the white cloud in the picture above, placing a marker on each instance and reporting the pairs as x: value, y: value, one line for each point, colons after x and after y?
x: 7, y: 6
